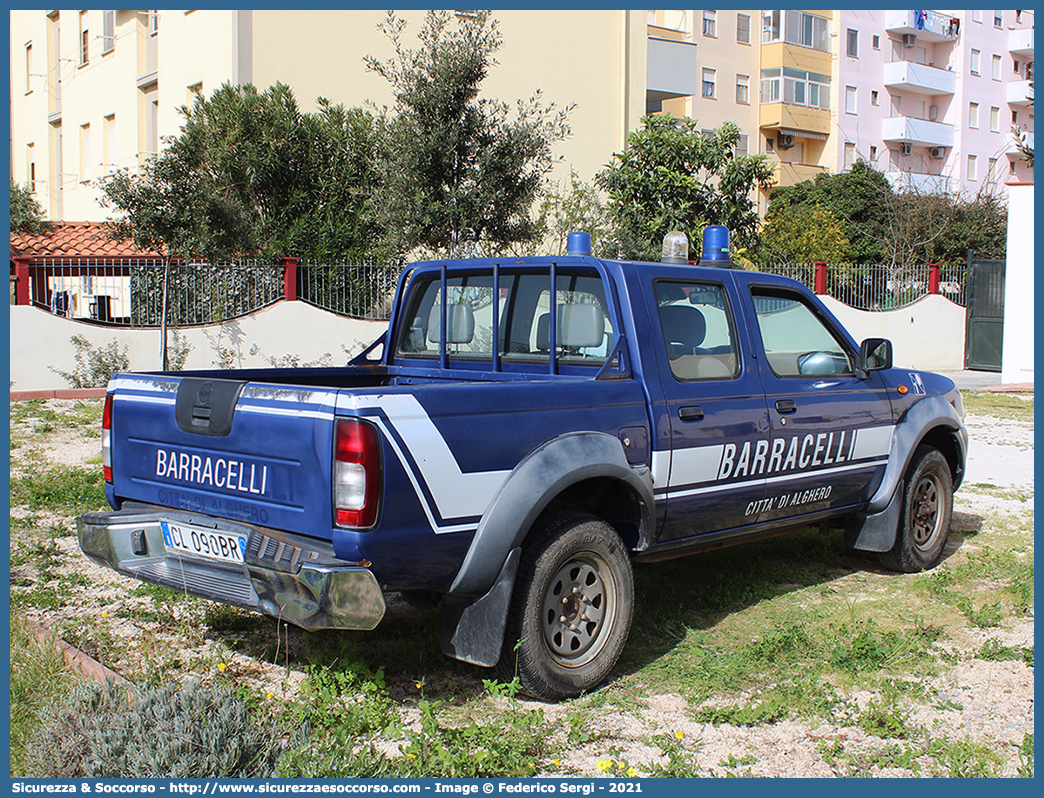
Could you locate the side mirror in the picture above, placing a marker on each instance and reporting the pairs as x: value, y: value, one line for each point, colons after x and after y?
x: 875, y: 354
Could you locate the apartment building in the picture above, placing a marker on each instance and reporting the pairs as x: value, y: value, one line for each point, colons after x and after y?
x: 94, y: 91
x: 927, y: 97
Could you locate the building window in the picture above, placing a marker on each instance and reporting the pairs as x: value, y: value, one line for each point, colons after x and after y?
x: 1014, y: 117
x: 743, y: 89
x: 28, y: 67
x: 798, y: 87
x: 743, y: 28
x: 995, y: 120
x: 769, y: 144
x: 153, y: 22
x: 852, y: 48
x: 1011, y: 167
x: 798, y: 27
x: 710, y: 24
x: 996, y: 67
x: 973, y: 167
x: 850, y: 99
x: 875, y: 42
x: 873, y: 153
x: 108, y: 141
x: 991, y: 170
x: 976, y: 16
x: 998, y: 19
x: 742, y: 146
x: 976, y: 57
x: 85, y: 153
x: 30, y: 165
x: 108, y: 31
x: 897, y: 105
x: 874, y: 97
x: 708, y: 84
x: 850, y: 154
x: 85, y: 38
x: 973, y: 116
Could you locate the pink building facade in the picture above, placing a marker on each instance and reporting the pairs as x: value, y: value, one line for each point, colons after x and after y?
x: 930, y: 97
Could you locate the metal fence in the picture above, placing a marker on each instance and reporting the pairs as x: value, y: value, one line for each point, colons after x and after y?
x: 879, y: 287
x: 131, y: 292
x: 361, y: 291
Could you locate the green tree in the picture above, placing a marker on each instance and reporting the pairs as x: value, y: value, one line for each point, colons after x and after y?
x: 861, y: 198
x: 175, y: 207
x: 803, y: 234
x: 457, y: 169
x: 671, y: 176
x: 304, y: 180
x: 571, y: 208
x: 26, y: 213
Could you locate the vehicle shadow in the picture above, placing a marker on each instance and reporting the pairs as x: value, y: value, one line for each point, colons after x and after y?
x: 672, y: 598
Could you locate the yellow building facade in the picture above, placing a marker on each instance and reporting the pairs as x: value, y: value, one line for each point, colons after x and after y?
x: 94, y: 91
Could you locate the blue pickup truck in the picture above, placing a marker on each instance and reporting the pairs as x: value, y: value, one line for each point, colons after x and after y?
x: 525, y: 430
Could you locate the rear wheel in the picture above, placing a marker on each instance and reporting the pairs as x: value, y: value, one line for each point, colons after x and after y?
x: 572, y: 607
x: 924, y: 525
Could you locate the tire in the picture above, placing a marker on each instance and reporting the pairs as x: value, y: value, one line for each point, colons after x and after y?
x: 924, y: 523
x: 571, y: 609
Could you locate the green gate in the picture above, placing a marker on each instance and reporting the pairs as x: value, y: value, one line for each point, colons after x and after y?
x: 985, y: 328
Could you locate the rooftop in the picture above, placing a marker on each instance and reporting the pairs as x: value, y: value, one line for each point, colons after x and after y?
x: 74, y: 240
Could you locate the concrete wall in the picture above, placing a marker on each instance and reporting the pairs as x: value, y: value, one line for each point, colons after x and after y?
x: 40, y: 340
x: 1017, y: 348
x: 927, y: 335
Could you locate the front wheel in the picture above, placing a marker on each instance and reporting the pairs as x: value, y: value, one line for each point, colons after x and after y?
x: 572, y: 607
x: 924, y: 525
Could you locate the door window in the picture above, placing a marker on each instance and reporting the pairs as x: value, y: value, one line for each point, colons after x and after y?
x: 697, y: 331
x: 797, y: 342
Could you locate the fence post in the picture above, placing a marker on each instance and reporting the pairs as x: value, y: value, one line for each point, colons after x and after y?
x: 290, y: 278
x: 821, y: 277
x: 933, y: 278
x: 22, y: 281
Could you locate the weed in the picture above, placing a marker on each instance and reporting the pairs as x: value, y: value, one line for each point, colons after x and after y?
x: 986, y: 616
x: 61, y: 489
x: 769, y: 711
x: 963, y: 759
x: 1025, y: 752
x: 993, y: 651
x: 94, y: 367
x: 882, y: 718
x: 680, y: 753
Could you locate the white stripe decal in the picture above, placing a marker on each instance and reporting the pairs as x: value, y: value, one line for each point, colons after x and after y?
x: 873, y: 442
x: 699, y: 464
x: 456, y: 494
x: 279, y: 411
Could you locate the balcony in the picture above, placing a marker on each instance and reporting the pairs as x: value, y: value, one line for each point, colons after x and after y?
x: 918, y: 78
x: 671, y: 70
x: 790, y: 174
x: 1020, y: 92
x: 921, y: 132
x: 918, y: 182
x: 927, y: 26
x: 1020, y: 42
x: 1012, y: 148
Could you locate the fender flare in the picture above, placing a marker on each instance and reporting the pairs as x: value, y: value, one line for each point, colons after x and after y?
x: 875, y: 528
x: 542, y: 475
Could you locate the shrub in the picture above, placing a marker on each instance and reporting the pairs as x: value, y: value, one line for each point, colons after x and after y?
x: 170, y: 731
x: 94, y: 367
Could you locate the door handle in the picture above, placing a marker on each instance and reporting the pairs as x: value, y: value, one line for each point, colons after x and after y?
x: 785, y: 406
x: 690, y: 413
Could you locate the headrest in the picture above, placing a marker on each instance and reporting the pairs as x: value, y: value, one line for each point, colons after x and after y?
x: 460, y: 324
x: 683, y: 324
x: 578, y: 326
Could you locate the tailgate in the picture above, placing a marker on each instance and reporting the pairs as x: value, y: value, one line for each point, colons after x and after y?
x: 245, y: 451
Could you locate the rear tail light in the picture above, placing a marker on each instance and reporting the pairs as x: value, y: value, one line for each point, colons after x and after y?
x: 107, y: 438
x: 356, y: 474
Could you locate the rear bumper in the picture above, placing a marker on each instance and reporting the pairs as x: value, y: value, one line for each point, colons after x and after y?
x: 290, y: 577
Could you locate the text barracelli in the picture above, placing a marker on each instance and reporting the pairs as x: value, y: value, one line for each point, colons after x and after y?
x: 217, y: 472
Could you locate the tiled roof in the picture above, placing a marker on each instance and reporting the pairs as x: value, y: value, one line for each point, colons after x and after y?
x: 74, y: 240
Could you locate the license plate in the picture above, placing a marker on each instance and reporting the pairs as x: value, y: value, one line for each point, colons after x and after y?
x: 203, y: 542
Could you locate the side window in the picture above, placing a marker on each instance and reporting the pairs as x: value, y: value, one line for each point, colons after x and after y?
x: 797, y: 342
x: 697, y: 331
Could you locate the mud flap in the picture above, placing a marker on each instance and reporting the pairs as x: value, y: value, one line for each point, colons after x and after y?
x: 473, y: 629
x: 876, y: 532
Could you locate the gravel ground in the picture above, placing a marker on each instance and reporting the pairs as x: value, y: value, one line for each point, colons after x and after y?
x: 995, y: 699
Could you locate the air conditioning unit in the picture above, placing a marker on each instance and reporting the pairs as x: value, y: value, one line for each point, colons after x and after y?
x: 909, y: 40
x: 785, y: 141
x: 905, y: 148
x: 938, y: 153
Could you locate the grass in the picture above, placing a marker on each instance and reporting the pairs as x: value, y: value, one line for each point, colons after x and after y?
x: 1010, y: 407
x: 790, y: 628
